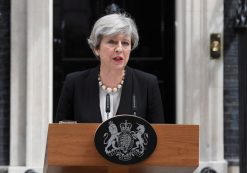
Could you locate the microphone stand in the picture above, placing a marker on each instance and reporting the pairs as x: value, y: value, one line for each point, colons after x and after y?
x: 107, y: 105
x: 134, y: 104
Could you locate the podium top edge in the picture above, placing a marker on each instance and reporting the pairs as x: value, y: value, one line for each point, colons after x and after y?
x: 154, y: 124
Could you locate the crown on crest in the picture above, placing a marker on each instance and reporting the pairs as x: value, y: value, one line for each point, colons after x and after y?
x: 125, y: 126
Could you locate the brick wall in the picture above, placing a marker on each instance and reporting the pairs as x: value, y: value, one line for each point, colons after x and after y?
x: 4, y: 80
x: 231, y: 103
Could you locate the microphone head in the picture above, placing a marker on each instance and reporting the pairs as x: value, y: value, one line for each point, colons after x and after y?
x: 107, y: 103
x: 134, y: 104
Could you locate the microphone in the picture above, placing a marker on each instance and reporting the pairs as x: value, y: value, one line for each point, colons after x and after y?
x: 107, y: 105
x: 134, y: 104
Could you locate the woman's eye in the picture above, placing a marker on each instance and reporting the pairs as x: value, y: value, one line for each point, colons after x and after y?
x: 126, y: 43
x: 111, y: 42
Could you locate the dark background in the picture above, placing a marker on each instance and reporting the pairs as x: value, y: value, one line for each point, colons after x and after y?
x: 4, y: 81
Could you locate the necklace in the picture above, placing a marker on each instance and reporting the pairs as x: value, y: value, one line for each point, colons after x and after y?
x: 109, y: 89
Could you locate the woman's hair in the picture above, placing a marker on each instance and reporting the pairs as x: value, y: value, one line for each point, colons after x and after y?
x: 113, y: 24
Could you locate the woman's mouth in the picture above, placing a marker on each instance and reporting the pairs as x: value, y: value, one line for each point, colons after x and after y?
x: 118, y: 58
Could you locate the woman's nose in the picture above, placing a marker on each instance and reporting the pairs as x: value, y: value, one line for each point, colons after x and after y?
x: 119, y: 47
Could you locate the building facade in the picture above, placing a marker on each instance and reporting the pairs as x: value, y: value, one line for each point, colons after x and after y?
x: 206, y: 89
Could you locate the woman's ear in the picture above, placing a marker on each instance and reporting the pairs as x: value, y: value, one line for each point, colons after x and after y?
x: 96, y: 52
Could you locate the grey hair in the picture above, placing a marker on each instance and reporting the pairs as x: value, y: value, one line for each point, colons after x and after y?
x: 113, y: 24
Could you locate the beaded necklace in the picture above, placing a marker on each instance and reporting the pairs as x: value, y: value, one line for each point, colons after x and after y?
x: 109, y: 89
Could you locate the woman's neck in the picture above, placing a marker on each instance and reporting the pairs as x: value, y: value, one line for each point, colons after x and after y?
x: 111, y: 78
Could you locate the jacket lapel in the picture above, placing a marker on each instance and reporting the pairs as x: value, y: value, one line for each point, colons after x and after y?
x: 125, y: 105
x: 93, y: 92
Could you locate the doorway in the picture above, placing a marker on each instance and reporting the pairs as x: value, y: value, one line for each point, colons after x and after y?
x: 73, y: 21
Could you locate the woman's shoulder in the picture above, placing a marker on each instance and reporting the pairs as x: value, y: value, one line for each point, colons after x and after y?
x: 81, y: 74
x: 139, y: 74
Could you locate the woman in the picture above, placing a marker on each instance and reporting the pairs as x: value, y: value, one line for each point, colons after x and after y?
x: 130, y: 91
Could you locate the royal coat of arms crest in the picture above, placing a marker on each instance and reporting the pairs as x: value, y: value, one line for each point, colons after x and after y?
x: 125, y: 139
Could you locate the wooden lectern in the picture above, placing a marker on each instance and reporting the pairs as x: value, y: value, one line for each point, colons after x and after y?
x: 70, y: 149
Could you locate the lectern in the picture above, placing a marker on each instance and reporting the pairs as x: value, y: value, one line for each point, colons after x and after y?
x: 70, y: 149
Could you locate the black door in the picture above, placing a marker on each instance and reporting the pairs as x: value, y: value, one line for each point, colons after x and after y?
x: 73, y: 21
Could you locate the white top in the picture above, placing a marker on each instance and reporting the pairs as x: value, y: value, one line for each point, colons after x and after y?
x: 114, y: 102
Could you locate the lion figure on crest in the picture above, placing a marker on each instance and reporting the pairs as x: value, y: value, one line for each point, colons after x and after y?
x: 111, y: 142
x: 141, y: 141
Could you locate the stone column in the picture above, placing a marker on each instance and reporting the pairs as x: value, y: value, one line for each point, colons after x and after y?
x: 31, y: 82
x: 18, y: 83
x: 200, y: 78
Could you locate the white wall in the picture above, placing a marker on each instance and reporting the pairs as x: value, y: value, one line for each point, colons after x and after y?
x: 31, y: 82
x: 200, y: 78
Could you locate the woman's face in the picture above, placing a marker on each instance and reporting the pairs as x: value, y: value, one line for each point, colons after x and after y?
x: 114, y: 51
